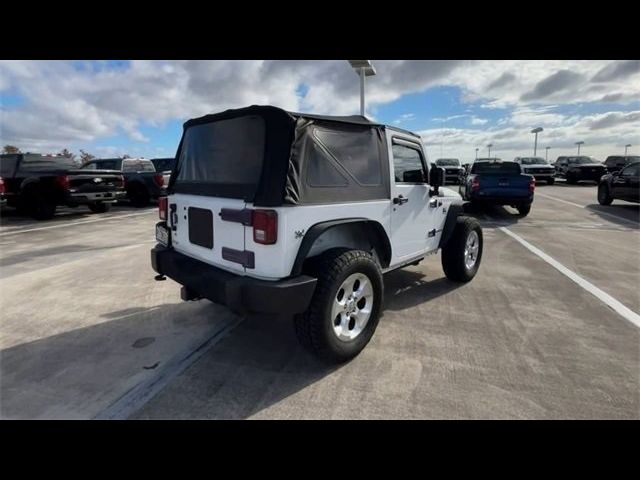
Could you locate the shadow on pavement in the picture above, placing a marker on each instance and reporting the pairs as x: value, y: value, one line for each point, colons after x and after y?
x: 624, y: 214
x: 406, y: 288
x: 493, y: 213
x: 78, y: 373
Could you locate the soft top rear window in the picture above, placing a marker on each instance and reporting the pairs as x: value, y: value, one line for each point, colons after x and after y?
x: 498, y: 168
x: 222, y: 158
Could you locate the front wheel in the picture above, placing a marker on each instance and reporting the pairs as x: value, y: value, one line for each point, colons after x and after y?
x: 345, y: 308
x: 461, y: 255
x: 604, y: 195
x: 571, y: 180
x: 99, y: 207
x: 551, y: 181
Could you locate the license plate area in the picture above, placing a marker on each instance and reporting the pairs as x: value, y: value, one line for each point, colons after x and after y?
x: 201, y: 227
x: 503, y: 182
x: 162, y: 235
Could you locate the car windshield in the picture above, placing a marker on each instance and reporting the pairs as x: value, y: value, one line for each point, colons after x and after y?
x: 498, y: 168
x: 533, y: 161
x: 582, y: 160
x: 137, y: 166
x: 633, y: 159
x: 448, y: 162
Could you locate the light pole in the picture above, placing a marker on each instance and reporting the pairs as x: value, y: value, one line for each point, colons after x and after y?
x: 477, y: 153
x: 364, y: 69
x: 625, y: 148
x: 489, y: 147
x: 535, y: 142
x: 546, y: 153
x: 579, y: 143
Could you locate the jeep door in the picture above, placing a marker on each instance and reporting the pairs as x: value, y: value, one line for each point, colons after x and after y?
x: 413, y: 225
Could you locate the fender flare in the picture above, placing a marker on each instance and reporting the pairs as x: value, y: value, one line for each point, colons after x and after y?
x: 319, y: 228
x: 455, y: 210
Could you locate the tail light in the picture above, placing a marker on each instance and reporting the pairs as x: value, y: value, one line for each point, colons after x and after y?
x: 2, y: 190
x: 163, y: 207
x: 475, y: 184
x: 63, y: 181
x: 159, y: 179
x: 532, y: 185
x: 265, y: 226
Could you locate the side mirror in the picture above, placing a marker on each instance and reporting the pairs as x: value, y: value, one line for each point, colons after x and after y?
x: 436, y: 178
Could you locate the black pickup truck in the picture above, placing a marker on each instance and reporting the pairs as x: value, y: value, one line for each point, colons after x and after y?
x: 142, y: 182
x: 36, y: 184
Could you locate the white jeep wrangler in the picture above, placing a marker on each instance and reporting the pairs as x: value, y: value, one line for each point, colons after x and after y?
x: 270, y: 211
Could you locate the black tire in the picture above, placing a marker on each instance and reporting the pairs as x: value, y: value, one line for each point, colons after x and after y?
x: 453, y: 253
x: 38, y: 206
x: 138, y: 195
x: 314, y: 328
x: 524, y: 210
x: 99, y: 207
x: 604, y: 195
x: 551, y: 181
x: 571, y: 180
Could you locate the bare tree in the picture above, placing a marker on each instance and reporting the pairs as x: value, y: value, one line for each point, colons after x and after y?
x: 67, y: 153
x: 11, y: 149
x: 85, y: 157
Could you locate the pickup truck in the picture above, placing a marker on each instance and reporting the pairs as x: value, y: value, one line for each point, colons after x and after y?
x: 498, y: 183
x: 37, y: 184
x: 142, y: 182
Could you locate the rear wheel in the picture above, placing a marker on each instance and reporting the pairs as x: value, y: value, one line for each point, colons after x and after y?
x: 99, y: 207
x: 462, y: 253
x: 38, y: 205
x: 524, y: 210
x: 604, y: 195
x: 139, y: 196
x: 345, y: 308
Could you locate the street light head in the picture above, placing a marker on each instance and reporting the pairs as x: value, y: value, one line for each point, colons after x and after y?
x: 579, y: 143
x: 627, y: 145
x: 537, y: 130
x: 358, y: 65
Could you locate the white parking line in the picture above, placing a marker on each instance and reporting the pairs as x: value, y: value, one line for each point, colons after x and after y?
x: 103, y: 219
x: 617, y: 217
x: 627, y: 313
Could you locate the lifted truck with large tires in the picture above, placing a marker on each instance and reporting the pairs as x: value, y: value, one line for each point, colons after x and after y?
x: 37, y: 184
x: 275, y: 212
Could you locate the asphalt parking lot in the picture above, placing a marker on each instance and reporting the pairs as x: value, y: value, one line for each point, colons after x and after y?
x: 88, y: 333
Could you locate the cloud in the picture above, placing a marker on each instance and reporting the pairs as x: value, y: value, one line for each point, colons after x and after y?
x: 554, y: 83
x: 616, y: 71
x: 479, y: 121
x: 503, y: 80
x: 612, y: 119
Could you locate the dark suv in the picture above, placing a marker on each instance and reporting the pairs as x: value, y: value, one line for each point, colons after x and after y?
x: 623, y: 185
x: 615, y: 163
x: 577, y: 168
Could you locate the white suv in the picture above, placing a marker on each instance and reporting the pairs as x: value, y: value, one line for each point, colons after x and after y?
x: 270, y: 211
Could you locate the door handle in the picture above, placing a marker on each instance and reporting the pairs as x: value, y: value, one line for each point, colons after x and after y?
x: 400, y: 200
x: 434, y: 202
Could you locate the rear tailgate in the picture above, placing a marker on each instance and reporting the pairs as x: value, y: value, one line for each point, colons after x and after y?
x: 496, y: 185
x: 199, y: 231
x: 94, y: 181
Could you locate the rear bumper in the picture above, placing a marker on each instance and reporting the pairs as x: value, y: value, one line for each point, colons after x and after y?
x: 501, y: 200
x: 239, y: 293
x: 90, y: 197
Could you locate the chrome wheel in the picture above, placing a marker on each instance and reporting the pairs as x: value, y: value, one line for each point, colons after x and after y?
x: 352, y: 307
x: 471, y: 247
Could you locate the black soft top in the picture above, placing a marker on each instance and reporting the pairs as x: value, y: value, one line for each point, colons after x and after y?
x: 292, y: 142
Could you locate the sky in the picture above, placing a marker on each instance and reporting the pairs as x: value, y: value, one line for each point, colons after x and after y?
x: 111, y: 108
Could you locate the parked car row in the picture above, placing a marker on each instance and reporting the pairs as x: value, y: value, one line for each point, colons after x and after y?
x: 37, y: 184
